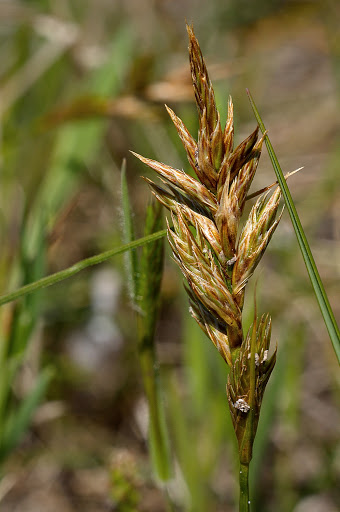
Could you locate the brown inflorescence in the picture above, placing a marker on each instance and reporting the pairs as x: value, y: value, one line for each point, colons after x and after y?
x: 215, y: 255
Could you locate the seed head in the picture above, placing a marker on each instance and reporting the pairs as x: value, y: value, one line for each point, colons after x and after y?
x: 214, y: 257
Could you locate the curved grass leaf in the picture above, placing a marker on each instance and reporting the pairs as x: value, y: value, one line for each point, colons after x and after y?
x: 81, y: 265
x: 314, y: 275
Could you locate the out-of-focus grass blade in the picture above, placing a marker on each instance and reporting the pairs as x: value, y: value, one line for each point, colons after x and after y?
x: 81, y: 265
x: 78, y: 143
x: 128, y: 236
x: 147, y: 302
x: 151, y: 267
x: 18, y: 422
x: 318, y: 287
x: 32, y: 265
x: 207, y: 423
x: 144, y: 277
x: 8, y: 369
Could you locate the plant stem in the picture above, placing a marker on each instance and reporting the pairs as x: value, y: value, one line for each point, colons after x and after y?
x: 149, y: 276
x: 244, y: 488
x: 246, y: 450
x: 158, y: 436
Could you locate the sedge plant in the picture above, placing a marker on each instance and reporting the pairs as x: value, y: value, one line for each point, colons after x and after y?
x: 216, y: 255
x: 144, y: 273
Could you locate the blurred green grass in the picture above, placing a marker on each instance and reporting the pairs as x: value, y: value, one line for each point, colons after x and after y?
x: 83, y: 83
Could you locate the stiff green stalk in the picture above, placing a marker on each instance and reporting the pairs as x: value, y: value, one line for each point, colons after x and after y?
x: 144, y: 273
x: 244, y: 503
x: 246, y: 449
x: 150, y: 271
x: 157, y: 431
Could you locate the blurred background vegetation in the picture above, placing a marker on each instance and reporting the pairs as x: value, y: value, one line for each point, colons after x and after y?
x: 82, y: 83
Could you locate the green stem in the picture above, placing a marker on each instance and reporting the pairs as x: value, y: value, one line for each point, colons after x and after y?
x: 158, y: 436
x: 149, y: 271
x: 246, y: 451
x: 244, y: 488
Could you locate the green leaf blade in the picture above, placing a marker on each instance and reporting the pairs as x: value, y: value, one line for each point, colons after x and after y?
x: 81, y: 265
x: 131, y: 259
x: 312, y: 270
x: 18, y: 422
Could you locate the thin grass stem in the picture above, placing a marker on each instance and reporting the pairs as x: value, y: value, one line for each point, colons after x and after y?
x: 244, y: 503
x: 81, y: 265
x: 150, y: 271
x: 158, y: 437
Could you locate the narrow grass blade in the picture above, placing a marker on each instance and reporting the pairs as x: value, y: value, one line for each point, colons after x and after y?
x: 18, y: 422
x: 151, y: 269
x: 131, y: 259
x: 8, y: 370
x: 317, y: 284
x: 81, y: 265
x: 32, y: 264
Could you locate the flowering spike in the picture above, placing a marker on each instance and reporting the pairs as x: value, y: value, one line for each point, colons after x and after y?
x: 215, y: 256
x: 211, y: 148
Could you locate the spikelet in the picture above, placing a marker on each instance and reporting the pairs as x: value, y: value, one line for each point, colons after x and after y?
x: 216, y: 257
x: 241, y: 403
x: 253, y: 241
